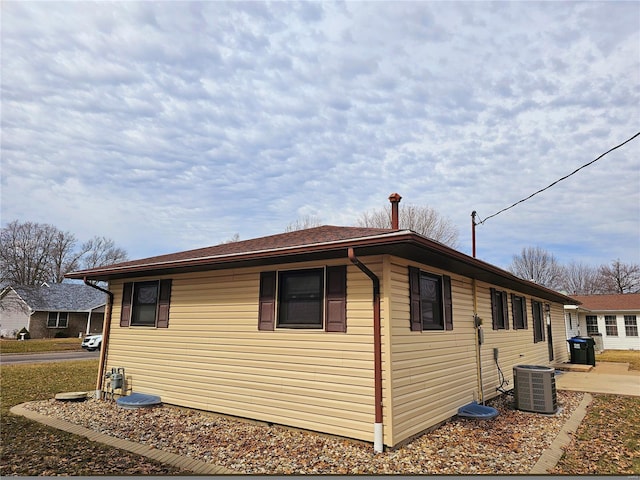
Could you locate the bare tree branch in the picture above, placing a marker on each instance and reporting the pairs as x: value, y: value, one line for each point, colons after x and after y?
x: 308, y: 221
x: 537, y: 265
x: 620, y: 277
x: 420, y: 219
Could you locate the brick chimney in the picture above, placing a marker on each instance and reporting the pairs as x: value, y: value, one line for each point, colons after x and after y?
x: 395, y: 198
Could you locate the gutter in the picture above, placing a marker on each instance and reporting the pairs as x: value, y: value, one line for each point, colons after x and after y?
x: 105, y: 334
x: 378, y: 445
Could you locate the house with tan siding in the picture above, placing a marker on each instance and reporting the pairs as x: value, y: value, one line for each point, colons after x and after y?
x: 371, y: 334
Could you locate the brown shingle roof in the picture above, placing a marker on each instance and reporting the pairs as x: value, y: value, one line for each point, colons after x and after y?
x: 299, y: 238
x: 321, y: 243
x: 626, y: 301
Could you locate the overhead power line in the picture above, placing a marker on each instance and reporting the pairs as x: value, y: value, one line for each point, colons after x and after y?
x: 559, y: 180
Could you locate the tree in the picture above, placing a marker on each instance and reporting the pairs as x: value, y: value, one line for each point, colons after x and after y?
x: 100, y: 251
x: 308, y: 221
x: 25, y: 252
x: 537, y: 265
x: 64, y: 258
x: 580, y: 279
x: 234, y: 239
x: 620, y: 277
x: 33, y: 253
x: 420, y: 219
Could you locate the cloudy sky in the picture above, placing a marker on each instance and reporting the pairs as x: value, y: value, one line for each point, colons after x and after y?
x: 173, y: 125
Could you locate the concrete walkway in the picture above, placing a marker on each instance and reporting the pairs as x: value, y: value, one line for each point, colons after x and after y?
x: 605, y: 377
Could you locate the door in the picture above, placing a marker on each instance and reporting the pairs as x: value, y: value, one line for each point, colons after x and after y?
x: 547, y: 310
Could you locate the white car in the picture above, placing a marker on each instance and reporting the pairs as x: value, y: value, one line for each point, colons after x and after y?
x: 92, y: 342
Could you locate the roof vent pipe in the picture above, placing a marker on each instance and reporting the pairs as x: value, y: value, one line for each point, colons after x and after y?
x: 395, y: 198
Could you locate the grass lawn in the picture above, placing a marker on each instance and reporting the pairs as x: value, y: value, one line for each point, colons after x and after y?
x: 40, y: 345
x: 29, y: 448
x: 607, y: 441
x: 632, y: 357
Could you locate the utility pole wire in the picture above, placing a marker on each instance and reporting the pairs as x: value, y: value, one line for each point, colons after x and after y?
x: 559, y: 180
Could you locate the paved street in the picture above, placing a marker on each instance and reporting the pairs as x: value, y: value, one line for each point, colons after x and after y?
x: 15, y: 358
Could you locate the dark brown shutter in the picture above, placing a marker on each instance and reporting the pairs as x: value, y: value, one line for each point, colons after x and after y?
x: 414, y: 299
x: 163, y: 303
x: 494, y: 309
x: 267, y: 302
x: 448, y: 303
x: 514, y: 310
x: 505, y: 310
x: 125, y: 311
x: 336, y: 303
x: 524, y: 312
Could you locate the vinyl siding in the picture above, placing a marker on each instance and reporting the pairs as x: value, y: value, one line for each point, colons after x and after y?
x: 612, y: 342
x: 14, y: 314
x: 435, y: 372
x: 213, y: 357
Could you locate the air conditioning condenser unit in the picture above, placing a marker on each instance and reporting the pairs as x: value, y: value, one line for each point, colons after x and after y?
x: 535, y: 388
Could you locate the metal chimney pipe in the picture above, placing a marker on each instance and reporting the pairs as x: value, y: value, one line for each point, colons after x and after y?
x: 395, y: 198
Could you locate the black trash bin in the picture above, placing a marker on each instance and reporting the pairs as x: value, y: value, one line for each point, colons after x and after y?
x: 578, y: 349
x: 590, y: 350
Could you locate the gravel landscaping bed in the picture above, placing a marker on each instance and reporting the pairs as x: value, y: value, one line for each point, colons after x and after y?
x: 511, y: 443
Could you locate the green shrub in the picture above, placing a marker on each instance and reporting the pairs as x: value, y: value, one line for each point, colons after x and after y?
x: 27, y: 335
x: 61, y: 335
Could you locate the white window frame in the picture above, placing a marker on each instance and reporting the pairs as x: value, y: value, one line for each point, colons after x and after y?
x: 57, y: 325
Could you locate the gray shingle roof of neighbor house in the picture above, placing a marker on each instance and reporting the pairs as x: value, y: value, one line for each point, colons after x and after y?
x: 61, y: 297
x: 322, y: 243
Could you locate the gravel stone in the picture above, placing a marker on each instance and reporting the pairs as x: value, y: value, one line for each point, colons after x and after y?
x: 511, y: 443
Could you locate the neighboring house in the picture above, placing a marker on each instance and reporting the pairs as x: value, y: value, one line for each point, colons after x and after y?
x: 359, y: 332
x: 69, y: 309
x: 614, y: 318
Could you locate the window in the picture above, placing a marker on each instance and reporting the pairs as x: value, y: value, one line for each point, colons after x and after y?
x: 592, y: 324
x: 519, y: 308
x: 611, y: 325
x: 538, y: 322
x: 146, y: 304
x: 630, y: 326
x: 301, y: 295
x: 307, y: 299
x: 58, y: 320
x: 499, y: 310
x: 430, y: 301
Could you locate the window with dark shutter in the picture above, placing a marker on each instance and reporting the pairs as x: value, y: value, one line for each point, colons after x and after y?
x: 538, y: 322
x: 163, y: 303
x: 448, y: 302
x: 499, y: 310
x: 146, y: 304
x: 336, y: 303
x: 125, y: 312
x: 518, y: 307
x: 430, y: 306
x: 267, y: 302
x: 414, y: 299
x: 312, y: 298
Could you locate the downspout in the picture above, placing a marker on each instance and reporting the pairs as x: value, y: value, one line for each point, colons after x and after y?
x: 378, y: 445
x: 105, y: 334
